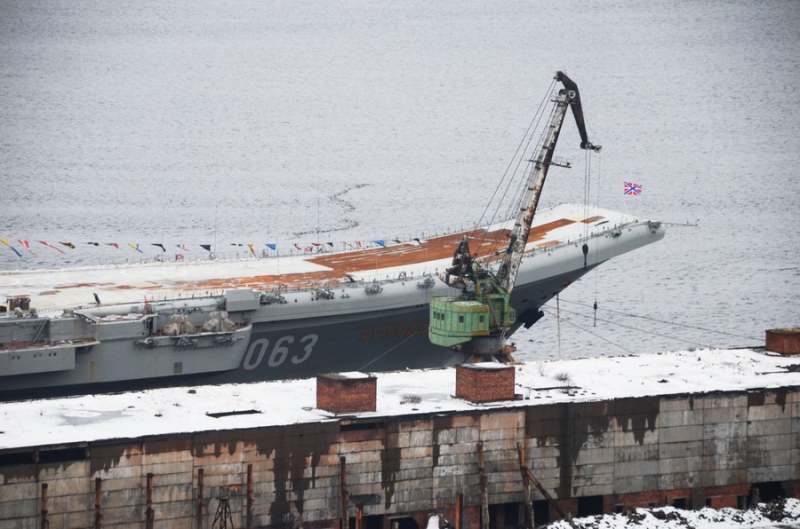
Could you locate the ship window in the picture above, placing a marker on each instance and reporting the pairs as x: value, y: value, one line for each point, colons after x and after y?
x: 482, y: 318
x: 461, y: 319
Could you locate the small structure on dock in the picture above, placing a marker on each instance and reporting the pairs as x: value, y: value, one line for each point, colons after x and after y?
x: 349, y: 392
x: 485, y: 382
x: 784, y: 341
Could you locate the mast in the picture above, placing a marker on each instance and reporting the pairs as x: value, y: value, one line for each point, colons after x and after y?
x: 568, y: 96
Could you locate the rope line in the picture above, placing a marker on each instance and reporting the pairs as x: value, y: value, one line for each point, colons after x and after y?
x: 387, y: 352
x: 694, y: 342
x: 666, y: 322
x: 567, y: 320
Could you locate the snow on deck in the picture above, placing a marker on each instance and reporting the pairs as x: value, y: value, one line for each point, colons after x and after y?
x: 71, y: 287
x: 179, y: 410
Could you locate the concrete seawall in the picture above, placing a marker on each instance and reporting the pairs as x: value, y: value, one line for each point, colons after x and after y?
x: 688, y: 450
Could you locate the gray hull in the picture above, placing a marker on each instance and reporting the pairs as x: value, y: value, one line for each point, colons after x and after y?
x: 390, y: 340
x: 351, y: 327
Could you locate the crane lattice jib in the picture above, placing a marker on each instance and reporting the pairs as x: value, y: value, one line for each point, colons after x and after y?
x: 509, y: 267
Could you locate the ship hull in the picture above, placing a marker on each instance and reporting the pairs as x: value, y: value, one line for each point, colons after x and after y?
x: 390, y: 340
x: 371, y: 321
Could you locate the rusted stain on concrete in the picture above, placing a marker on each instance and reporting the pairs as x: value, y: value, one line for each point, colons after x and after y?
x: 390, y: 462
x: 780, y: 399
x: 756, y: 399
x: 637, y: 415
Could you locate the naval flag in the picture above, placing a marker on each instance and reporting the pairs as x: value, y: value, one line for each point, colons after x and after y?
x: 631, y: 188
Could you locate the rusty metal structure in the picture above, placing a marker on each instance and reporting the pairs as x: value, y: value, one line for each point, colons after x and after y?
x: 482, y: 317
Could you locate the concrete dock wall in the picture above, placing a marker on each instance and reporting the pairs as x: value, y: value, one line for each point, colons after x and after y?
x: 592, y: 457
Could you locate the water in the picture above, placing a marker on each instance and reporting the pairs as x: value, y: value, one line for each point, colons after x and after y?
x: 251, y: 122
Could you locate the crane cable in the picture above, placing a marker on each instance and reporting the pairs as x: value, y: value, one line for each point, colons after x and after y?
x: 666, y: 322
x: 597, y: 269
x: 523, y: 148
x: 532, y: 126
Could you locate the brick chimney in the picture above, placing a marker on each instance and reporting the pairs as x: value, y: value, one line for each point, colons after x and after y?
x: 346, y: 392
x: 485, y: 382
x: 784, y: 341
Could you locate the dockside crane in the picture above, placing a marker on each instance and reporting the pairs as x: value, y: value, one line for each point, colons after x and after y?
x: 479, y: 320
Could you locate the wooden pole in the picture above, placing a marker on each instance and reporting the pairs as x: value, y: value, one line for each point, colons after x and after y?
x: 359, y: 515
x: 526, y: 483
x: 345, y: 519
x: 459, y: 509
x: 538, y: 485
x: 98, y: 498
x: 199, y: 498
x: 250, y: 496
x: 149, y: 513
x: 484, y: 490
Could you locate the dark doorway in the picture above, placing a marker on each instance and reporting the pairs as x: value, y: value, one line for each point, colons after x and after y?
x: 370, y: 522
x: 766, y: 491
x: 504, y: 515
x: 403, y: 523
x: 590, y: 505
x: 541, y: 512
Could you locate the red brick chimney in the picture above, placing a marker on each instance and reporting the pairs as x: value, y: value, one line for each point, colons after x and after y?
x: 784, y: 341
x: 485, y: 382
x: 346, y: 392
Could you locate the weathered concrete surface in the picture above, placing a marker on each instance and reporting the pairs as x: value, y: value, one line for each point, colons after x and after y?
x: 690, y: 449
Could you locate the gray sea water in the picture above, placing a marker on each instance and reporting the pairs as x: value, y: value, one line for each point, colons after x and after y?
x: 251, y: 122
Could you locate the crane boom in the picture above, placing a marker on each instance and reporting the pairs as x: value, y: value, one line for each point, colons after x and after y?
x: 479, y: 320
x: 568, y: 96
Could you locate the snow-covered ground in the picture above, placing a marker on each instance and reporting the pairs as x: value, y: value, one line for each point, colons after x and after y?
x: 173, y: 410
x: 777, y: 514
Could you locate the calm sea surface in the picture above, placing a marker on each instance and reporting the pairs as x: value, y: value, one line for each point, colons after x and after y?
x: 255, y: 122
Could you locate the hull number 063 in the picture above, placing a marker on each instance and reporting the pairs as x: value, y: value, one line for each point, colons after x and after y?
x: 280, y: 352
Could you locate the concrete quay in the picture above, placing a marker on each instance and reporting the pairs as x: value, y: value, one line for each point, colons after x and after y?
x: 282, y: 462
